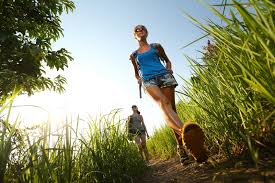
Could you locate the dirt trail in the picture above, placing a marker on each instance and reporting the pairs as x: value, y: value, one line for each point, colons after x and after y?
x: 239, y: 171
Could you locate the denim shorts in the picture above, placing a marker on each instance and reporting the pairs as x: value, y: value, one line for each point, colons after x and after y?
x: 166, y: 80
x: 135, y: 132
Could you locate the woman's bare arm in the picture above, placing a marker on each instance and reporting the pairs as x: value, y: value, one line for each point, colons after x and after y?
x: 132, y: 58
x: 143, y: 124
x: 164, y: 57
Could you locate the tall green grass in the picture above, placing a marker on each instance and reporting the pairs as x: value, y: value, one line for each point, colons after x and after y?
x: 231, y: 93
x: 162, y: 143
x: 99, y: 153
x: 7, y: 134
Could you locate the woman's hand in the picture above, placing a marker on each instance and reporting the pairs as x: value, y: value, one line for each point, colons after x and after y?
x: 169, y: 67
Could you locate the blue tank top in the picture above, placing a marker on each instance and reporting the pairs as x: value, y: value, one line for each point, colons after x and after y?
x: 150, y: 65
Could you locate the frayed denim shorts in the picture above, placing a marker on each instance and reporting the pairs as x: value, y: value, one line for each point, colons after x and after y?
x: 166, y: 80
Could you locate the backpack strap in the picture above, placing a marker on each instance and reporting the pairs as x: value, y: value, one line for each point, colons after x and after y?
x: 156, y: 46
x: 134, y: 54
x: 130, y: 118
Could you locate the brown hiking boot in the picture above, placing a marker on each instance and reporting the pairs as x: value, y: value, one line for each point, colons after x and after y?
x: 193, y: 138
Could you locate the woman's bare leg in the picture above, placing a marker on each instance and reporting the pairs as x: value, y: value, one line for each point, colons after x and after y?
x: 169, y: 114
x: 144, y: 147
x: 138, y: 142
x: 169, y: 92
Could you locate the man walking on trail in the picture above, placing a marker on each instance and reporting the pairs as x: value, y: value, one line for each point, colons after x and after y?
x: 159, y: 83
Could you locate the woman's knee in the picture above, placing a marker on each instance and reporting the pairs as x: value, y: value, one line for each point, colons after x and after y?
x: 158, y: 96
x: 139, y: 144
x: 143, y: 145
x: 163, y: 102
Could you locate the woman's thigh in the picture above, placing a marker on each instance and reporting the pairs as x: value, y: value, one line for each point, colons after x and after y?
x: 143, y: 138
x: 156, y: 93
x: 138, y: 140
x: 169, y: 93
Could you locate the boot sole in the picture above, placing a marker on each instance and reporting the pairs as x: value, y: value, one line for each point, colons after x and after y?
x: 193, y: 138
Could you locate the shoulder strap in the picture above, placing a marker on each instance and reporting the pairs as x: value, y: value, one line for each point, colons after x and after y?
x: 130, y: 119
x: 156, y: 46
x: 135, y: 56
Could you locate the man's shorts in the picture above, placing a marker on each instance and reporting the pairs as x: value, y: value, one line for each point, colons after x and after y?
x: 166, y: 80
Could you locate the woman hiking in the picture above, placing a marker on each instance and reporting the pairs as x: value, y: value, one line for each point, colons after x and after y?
x: 159, y: 83
x: 137, y: 131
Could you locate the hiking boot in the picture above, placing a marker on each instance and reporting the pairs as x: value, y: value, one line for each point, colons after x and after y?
x: 182, y: 154
x: 193, y: 138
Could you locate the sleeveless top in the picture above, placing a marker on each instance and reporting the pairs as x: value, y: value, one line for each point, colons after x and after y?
x: 150, y: 64
x: 135, y: 122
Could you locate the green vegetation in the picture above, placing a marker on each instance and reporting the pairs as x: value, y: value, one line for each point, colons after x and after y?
x: 101, y: 153
x: 162, y: 143
x: 231, y: 93
x: 27, y: 30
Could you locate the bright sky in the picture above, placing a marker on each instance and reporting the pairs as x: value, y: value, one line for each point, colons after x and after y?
x: 99, y: 34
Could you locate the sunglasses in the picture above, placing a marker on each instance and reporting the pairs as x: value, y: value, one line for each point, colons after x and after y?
x: 139, y: 29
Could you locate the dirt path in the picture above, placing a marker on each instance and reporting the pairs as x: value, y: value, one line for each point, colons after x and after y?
x: 241, y: 170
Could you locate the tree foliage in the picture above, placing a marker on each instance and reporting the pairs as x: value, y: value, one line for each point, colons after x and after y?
x: 27, y: 30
